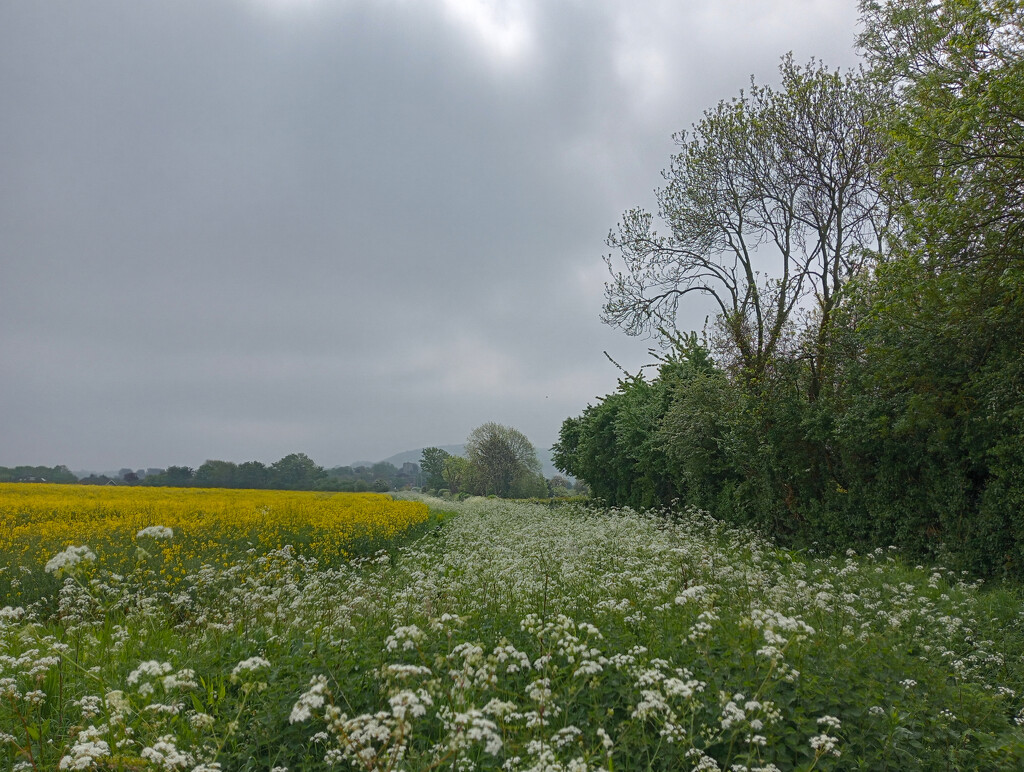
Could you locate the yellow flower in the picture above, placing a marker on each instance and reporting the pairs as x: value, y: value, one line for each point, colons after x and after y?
x: 208, y: 525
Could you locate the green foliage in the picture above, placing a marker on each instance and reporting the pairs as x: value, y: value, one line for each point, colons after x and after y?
x: 877, y: 459
x: 252, y: 474
x: 616, y: 445
x: 957, y: 162
x: 503, y: 462
x: 456, y: 473
x: 890, y: 412
x: 296, y: 471
x: 55, y: 474
x: 217, y: 474
x: 432, y: 463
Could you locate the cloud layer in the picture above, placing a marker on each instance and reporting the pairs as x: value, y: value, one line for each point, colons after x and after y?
x: 241, y: 229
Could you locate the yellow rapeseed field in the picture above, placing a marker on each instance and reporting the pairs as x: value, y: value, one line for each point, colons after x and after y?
x: 216, y: 526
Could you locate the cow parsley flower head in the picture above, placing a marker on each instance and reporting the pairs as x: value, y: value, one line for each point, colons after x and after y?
x: 824, y: 744
x: 156, y: 532
x: 830, y: 722
x: 311, y: 699
x: 68, y: 559
x: 84, y: 753
x: 248, y: 666
x: 164, y: 754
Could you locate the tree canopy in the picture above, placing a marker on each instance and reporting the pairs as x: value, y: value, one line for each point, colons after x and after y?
x: 503, y: 460
x: 863, y: 236
x: 771, y: 200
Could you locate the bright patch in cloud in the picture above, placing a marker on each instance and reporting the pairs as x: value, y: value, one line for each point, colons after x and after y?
x: 500, y: 26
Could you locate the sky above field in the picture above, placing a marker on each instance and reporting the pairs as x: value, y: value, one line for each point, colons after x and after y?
x: 239, y: 229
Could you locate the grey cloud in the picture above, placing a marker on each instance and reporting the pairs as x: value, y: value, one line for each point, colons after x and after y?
x: 241, y: 229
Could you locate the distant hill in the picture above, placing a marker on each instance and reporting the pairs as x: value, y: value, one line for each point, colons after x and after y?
x: 415, y: 455
x: 547, y: 467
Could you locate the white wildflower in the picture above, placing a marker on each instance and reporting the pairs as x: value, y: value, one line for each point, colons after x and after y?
x: 86, y: 750
x: 151, y: 668
x: 830, y: 722
x: 314, y: 697
x: 68, y: 559
x: 250, y: 665
x: 165, y: 754
x: 825, y: 744
x: 156, y: 532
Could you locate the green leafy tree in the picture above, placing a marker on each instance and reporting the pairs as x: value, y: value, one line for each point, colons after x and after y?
x: 500, y: 457
x: 173, y: 476
x: 57, y: 474
x: 296, y: 471
x: 957, y: 163
x: 252, y: 474
x: 558, y: 486
x: 432, y: 463
x: 617, y: 446
x: 946, y: 321
x: 530, y: 486
x: 770, y: 200
x: 456, y: 473
x: 217, y: 474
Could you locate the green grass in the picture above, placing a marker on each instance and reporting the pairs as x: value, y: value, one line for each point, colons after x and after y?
x: 515, y: 636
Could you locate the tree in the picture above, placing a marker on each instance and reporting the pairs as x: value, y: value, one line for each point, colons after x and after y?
x: 252, y: 474
x: 957, y: 164
x: 57, y: 474
x: 296, y: 471
x: 558, y: 486
x: 455, y: 472
x: 217, y: 474
x: 946, y: 326
x: 179, y: 475
x: 432, y: 464
x: 617, y: 446
x: 771, y: 199
x: 501, y: 457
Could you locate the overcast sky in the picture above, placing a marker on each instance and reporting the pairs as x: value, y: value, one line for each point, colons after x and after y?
x: 240, y: 229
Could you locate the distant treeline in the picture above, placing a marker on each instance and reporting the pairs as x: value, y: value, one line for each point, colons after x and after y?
x: 50, y: 474
x: 488, y: 471
x: 295, y: 471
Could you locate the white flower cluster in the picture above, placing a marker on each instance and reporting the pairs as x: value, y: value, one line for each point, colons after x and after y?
x: 406, y: 637
x: 825, y: 744
x: 470, y: 728
x: 313, y: 698
x: 150, y: 669
x: 158, y: 686
x: 65, y: 561
x: 164, y: 754
x: 86, y: 750
x: 156, y: 532
x: 247, y: 667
